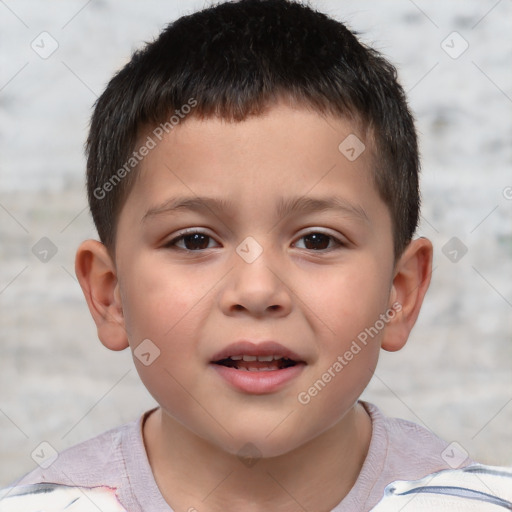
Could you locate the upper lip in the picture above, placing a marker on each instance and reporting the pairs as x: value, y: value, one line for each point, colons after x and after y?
x: 260, y: 348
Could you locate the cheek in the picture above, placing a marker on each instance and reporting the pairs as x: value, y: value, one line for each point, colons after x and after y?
x: 157, y: 302
x: 351, y: 299
x: 163, y: 311
x: 165, y: 307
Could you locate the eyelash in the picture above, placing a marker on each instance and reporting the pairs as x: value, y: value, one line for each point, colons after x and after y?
x: 172, y: 243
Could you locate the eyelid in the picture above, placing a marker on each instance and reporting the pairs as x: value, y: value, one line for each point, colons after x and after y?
x: 191, y: 231
x: 184, y: 232
x: 342, y: 239
x: 313, y: 229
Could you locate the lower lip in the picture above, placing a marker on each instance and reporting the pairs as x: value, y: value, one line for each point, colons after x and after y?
x: 258, y: 383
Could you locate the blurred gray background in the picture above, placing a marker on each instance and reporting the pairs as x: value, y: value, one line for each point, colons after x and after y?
x: 57, y: 382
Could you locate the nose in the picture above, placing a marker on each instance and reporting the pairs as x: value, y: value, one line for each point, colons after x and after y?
x: 258, y: 288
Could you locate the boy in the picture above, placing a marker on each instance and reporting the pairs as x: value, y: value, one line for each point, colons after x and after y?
x: 253, y: 176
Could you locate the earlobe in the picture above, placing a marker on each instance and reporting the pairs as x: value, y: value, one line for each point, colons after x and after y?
x: 97, y: 276
x: 410, y: 283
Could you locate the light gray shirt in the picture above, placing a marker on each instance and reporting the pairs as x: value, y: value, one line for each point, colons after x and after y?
x: 399, y: 450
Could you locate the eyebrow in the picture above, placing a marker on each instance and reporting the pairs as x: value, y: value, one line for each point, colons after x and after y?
x: 285, y: 206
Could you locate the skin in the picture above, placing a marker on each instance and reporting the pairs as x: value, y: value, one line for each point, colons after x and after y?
x: 313, y: 299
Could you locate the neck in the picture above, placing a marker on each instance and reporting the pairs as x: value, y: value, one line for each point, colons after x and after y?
x: 193, y: 474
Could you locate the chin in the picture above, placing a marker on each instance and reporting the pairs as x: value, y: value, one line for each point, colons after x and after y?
x: 257, y: 443
x: 252, y: 449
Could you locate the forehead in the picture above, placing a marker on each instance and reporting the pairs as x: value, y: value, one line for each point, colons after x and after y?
x: 283, y: 160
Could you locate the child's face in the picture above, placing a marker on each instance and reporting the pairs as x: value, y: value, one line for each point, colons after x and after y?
x: 306, y: 293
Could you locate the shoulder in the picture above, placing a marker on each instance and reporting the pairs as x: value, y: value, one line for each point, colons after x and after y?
x: 112, y: 464
x: 399, y: 450
x: 409, y: 445
x: 95, y: 462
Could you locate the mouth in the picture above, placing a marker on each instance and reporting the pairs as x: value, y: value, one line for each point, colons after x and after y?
x: 250, y: 363
x: 262, y: 367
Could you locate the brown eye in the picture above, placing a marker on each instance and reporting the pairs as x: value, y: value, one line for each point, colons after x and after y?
x: 317, y: 241
x: 192, y: 241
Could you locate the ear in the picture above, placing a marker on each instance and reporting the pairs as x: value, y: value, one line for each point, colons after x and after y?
x: 97, y: 276
x: 410, y: 283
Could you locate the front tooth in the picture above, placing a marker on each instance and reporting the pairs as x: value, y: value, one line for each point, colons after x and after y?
x: 250, y: 358
x: 236, y: 358
x: 265, y: 358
